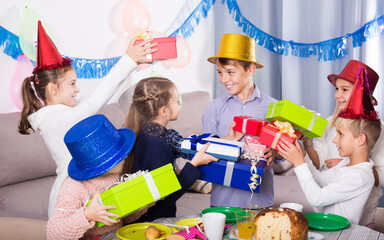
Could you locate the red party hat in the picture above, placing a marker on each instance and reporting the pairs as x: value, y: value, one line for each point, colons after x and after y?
x: 48, y: 57
x: 360, y: 103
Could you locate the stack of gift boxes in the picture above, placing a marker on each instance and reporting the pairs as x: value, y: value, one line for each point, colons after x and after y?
x: 286, y: 120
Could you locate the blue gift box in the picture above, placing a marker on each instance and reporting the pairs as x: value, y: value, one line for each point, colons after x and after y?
x: 219, y: 148
x: 232, y: 174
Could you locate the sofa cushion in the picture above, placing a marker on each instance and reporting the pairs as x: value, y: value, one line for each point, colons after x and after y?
x: 189, y: 120
x: 26, y: 199
x: 22, y: 228
x: 23, y: 157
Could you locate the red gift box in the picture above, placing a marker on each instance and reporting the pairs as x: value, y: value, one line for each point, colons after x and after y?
x: 271, y: 135
x: 248, y: 125
x: 166, y: 48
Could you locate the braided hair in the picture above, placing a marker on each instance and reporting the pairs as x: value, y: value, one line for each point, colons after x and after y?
x: 149, y: 96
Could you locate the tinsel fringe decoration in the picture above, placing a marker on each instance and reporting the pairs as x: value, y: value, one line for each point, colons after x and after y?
x: 326, y: 50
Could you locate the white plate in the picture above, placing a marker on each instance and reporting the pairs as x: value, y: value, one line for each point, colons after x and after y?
x: 312, y: 235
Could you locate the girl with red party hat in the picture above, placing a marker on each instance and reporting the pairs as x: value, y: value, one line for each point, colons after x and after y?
x: 345, y: 188
x: 323, y: 152
x: 49, y: 98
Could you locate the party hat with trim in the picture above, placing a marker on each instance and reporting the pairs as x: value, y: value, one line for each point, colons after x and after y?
x: 361, y: 102
x: 48, y: 57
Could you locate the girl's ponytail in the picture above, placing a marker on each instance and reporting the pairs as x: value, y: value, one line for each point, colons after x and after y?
x: 30, y: 104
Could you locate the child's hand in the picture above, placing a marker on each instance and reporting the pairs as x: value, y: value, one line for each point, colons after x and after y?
x: 292, y: 153
x: 270, y: 154
x: 202, y: 158
x: 233, y: 135
x: 96, y: 212
x: 330, y: 163
x: 137, y: 52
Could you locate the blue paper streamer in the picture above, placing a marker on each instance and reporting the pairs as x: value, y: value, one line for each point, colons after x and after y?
x: 93, y: 68
x: 188, y: 27
x: 326, y: 50
x: 10, y: 43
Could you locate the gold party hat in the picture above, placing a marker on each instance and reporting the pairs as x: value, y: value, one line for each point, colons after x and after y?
x: 238, y: 47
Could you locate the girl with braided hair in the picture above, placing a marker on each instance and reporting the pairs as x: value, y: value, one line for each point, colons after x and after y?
x: 155, y: 102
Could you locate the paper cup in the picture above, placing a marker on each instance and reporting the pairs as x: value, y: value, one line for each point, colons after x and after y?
x: 295, y: 206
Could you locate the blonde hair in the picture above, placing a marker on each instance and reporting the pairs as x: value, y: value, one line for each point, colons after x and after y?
x: 33, y: 96
x: 149, y: 96
x: 371, y: 129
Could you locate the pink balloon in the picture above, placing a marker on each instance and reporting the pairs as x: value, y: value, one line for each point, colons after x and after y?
x: 136, y: 18
x: 168, y: 64
x: 183, y: 53
x: 24, y: 69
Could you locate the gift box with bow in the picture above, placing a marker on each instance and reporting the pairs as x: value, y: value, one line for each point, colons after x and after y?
x: 220, y: 148
x: 272, y: 134
x: 254, y: 146
x: 236, y: 175
x: 140, y: 190
x: 248, y: 125
x: 166, y: 48
x: 306, y: 121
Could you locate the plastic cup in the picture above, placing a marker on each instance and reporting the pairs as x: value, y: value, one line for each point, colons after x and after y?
x: 245, y: 221
x: 255, y: 208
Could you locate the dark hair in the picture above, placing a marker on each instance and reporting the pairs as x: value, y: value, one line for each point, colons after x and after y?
x: 149, y: 96
x: 33, y: 92
x: 228, y: 61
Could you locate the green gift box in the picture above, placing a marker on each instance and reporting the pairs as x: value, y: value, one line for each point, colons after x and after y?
x: 308, y: 122
x: 140, y: 191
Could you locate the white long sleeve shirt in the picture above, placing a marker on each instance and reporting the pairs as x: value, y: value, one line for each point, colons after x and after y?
x: 341, y: 190
x: 326, y: 149
x: 53, y: 121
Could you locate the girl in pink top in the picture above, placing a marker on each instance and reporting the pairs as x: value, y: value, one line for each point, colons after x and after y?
x: 98, y: 152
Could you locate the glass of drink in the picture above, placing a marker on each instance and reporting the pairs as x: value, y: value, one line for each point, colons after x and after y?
x: 245, y: 221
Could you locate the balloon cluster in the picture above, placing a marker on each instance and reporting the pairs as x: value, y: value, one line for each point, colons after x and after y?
x: 137, y: 21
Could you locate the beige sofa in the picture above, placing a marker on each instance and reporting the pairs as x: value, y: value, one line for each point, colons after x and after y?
x: 28, y: 171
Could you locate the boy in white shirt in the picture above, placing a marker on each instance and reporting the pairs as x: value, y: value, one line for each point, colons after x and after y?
x: 345, y: 188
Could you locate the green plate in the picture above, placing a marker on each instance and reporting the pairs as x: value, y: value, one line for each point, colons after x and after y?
x: 136, y: 231
x: 326, y: 221
x: 228, y: 211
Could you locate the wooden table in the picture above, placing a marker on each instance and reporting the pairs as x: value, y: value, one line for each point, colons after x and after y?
x: 353, y: 232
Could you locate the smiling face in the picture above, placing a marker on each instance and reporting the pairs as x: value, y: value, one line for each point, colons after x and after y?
x: 234, y: 78
x: 67, y: 89
x: 345, y: 141
x: 343, y: 91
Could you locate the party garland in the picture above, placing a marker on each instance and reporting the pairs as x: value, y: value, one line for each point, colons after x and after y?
x: 326, y: 50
